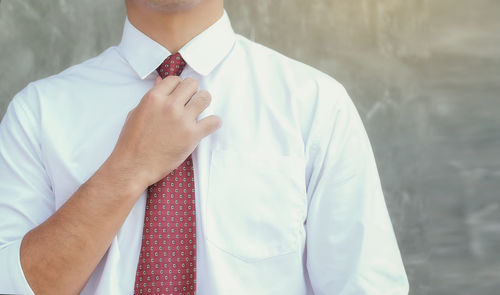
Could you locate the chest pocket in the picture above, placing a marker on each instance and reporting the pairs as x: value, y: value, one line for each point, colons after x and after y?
x: 256, y: 204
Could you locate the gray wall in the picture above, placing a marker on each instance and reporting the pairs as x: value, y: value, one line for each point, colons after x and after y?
x: 424, y: 74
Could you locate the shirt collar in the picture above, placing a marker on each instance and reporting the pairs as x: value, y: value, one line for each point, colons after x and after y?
x: 203, y: 53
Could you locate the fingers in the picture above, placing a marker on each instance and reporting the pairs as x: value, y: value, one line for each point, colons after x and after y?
x: 167, y: 85
x: 198, y: 103
x: 209, y: 124
x: 185, y: 90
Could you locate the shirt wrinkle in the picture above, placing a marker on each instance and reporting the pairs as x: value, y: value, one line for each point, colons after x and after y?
x: 275, y: 208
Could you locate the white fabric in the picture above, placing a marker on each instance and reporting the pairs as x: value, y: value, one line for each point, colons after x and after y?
x: 288, y: 195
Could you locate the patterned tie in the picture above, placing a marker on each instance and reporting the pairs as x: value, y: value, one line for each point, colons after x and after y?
x: 167, y: 262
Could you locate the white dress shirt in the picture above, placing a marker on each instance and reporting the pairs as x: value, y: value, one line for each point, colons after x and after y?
x: 288, y: 197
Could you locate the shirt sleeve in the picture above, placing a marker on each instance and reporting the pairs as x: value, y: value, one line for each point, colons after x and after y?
x: 26, y: 197
x: 351, y: 246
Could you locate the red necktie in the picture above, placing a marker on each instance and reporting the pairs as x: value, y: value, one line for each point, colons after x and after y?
x: 167, y: 262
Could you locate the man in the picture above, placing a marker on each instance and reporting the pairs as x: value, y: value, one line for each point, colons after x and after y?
x: 119, y: 177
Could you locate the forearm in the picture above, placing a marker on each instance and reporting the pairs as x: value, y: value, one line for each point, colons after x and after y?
x: 60, y: 254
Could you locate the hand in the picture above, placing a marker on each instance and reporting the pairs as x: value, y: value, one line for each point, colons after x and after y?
x: 161, y: 131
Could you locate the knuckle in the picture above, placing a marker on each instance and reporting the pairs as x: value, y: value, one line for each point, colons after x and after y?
x: 175, y: 79
x: 153, y: 96
x: 170, y: 108
x: 204, y: 98
x: 191, y: 82
x: 128, y: 116
x: 205, y: 95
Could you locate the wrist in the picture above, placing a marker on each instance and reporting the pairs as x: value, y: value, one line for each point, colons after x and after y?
x: 122, y: 177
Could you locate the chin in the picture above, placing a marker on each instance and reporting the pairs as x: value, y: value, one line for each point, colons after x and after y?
x: 169, y: 5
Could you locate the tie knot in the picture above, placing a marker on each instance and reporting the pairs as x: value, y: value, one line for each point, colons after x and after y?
x: 171, y: 66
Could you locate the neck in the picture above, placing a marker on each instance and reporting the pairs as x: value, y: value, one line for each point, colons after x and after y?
x: 174, y: 28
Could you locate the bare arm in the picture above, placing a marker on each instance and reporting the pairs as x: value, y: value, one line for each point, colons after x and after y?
x: 67, y: 247
x: 60, y: 254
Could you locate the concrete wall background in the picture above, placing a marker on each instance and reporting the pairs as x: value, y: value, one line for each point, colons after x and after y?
x: 425, y: 76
